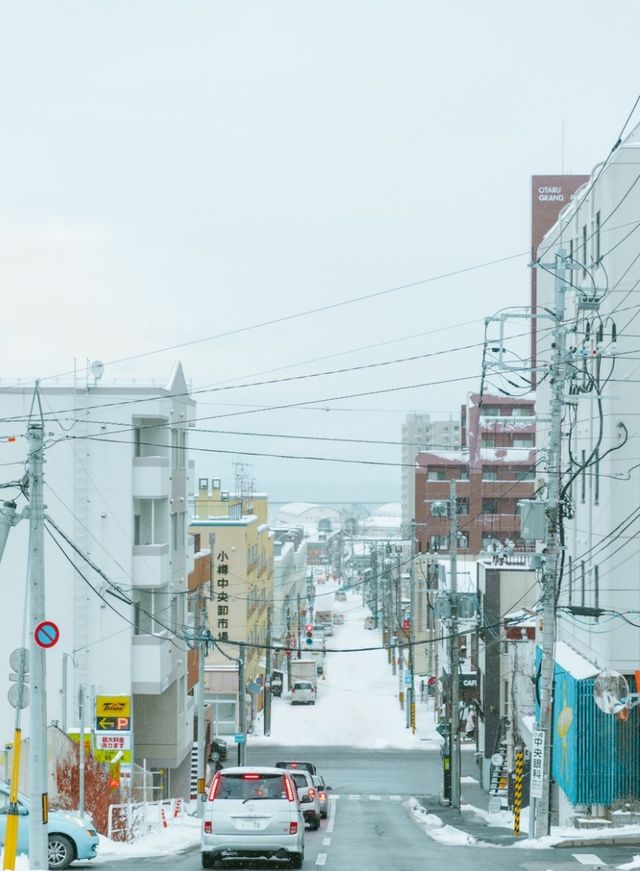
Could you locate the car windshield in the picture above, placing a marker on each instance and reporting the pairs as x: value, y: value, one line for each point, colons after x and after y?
x: 300, y: 779
x: 303, y: 685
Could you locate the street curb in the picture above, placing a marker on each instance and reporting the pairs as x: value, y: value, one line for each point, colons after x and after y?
x: 623, y: 841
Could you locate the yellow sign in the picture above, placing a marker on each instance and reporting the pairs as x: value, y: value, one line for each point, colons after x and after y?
x: 113, y: 706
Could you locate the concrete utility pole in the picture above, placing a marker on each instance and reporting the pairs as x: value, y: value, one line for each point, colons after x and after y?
x: 241, y: 713
x: 552, y: 545
x: 411, y: 690
x: 203, y: 649
x: 454, y: 649
x: 267, y: 677
x: 81, y: 771
x: 39, y: 805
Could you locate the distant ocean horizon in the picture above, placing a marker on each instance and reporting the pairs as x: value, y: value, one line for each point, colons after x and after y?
x: 343, y: 492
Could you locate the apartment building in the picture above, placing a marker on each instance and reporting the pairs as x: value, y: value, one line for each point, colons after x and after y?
x: 116, y: 479
x: 494, y: 469
x: 235, y: 528
x: 420, y: 433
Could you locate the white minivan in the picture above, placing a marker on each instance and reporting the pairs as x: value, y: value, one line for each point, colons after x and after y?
x: 252, y: 812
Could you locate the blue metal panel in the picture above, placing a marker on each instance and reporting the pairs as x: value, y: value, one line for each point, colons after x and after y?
x: 595, y: 756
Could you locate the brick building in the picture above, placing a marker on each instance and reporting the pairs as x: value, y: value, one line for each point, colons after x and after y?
x: 493, y: 470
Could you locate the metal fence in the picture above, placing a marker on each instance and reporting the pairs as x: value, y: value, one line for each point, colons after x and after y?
x: 133, y: 820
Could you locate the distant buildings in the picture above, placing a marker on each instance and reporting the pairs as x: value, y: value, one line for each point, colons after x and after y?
x: 420, y: 433
x: 493, y: 469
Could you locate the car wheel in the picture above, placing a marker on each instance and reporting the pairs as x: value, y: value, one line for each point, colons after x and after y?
x: 297, y: 859
x: 214, y: 756
x: 208, y: 861
x: 61, y: 852
x: 315, y: 823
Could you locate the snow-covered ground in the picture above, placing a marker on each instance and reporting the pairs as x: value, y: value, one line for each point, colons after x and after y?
x: 358, y: 696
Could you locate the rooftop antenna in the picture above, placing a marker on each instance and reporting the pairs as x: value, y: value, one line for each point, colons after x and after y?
x: 97, y: 370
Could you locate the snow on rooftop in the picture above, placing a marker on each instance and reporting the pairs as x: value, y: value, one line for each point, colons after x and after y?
x: 574, y: 663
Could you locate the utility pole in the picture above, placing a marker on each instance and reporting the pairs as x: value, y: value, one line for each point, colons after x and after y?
x: 411, y: 700
x: 241, y: 714
x: 267, y: 681
x: 39, y: 809
x: 454, y: 649
x: 81, y: 771
x: 203, y: 649
x: 298, y: 629
x: 552, y: 544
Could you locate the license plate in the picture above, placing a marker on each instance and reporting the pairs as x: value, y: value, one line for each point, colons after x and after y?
x: 251, y: 825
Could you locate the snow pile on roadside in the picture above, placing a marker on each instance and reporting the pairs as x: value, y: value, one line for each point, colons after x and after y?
x: 181, y: 834
x: 629, y: 866
x: 22, y: 862
x: 433, y: 826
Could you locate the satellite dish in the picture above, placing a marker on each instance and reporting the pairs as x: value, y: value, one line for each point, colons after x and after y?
x: 611, y: 692
x: 97, y: 369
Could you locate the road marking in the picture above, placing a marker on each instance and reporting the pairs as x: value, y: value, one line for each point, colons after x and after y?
x: 332, y: 817
x: 374, y: 797
x: 588, y: 859
x: 326, y: 842
x: 355, y: 796
x: 395, y: 798
x: 322, y: 858
x: 333, y: 797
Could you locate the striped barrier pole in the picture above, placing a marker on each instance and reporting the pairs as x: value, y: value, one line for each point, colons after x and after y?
x: 517, y: 792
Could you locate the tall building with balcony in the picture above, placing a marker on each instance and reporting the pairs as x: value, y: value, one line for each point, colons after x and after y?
x: 235, y: 528
x: 115, y: 482
x: 420, y: 433
x: 494, y: 469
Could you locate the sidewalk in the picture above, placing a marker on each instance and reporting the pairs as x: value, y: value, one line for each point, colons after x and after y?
x: 476, y: 822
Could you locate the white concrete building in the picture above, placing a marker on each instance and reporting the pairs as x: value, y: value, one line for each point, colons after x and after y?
x: 289, y: 582
x: 601, y: 479
x: 116, y: 479
x: 420, y: 433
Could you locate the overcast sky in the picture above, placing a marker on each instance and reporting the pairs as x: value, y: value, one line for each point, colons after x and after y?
x: 175, y: 170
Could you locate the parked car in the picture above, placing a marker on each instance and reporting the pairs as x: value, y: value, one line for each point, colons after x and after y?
x: 325, y: 629
x: 323, y: 798
x: 338, y: 619
x: 303, y: 692
x: 308, y: 796
x: 252, y: 812
x: 219, y: 750
x: 340, y: 596
x: 293, y: 764
x: 70, y: 836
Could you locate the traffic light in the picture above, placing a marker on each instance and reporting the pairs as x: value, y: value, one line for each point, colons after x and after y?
x: 309, y: 628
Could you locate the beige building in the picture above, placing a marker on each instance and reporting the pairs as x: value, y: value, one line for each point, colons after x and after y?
x: 235, y: 529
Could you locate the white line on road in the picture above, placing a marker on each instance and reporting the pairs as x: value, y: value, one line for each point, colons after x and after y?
x: 588, y: 859
x: 395, y: 798
x: 322, y: 858
x: 326, y: 842
x: 374, y: 797
x: 332, y: 817
x: 352, y: 797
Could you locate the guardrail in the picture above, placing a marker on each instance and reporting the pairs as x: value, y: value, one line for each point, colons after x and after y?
x: 133, y: 820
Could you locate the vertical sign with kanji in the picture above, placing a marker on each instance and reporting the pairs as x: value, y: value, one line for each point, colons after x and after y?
x: 221, y: 595
x: 537, y: 756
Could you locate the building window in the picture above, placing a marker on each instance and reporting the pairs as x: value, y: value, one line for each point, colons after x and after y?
x: 522, y: 411
x: 490, y: 506
x: 464, y: 474
x: 436, y: 475
x: 488, y: 443
x: 584, y: 250
x: 489, y: 474
x: 439, y: 542
x: 596, y: 240
x: 462, y: 505
x: 522, y: 443
x: 491, y: 410
x: 525, y: 474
